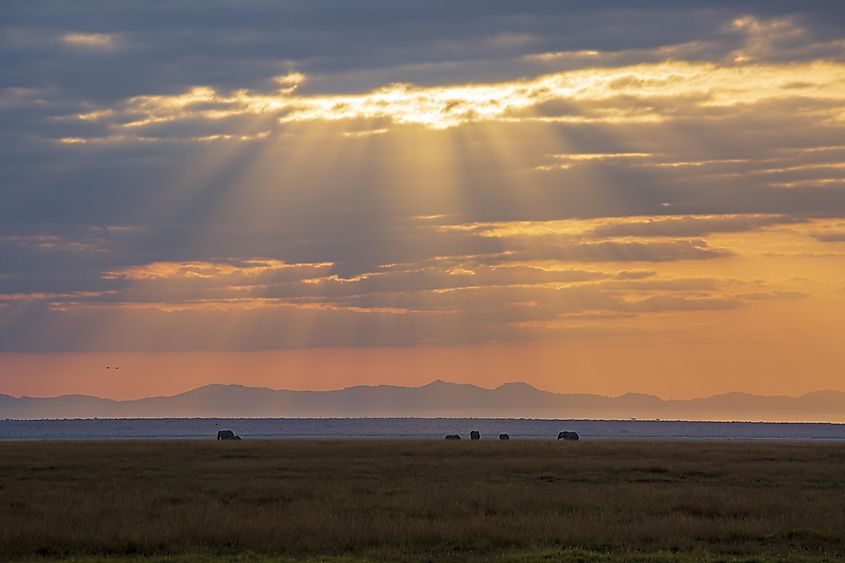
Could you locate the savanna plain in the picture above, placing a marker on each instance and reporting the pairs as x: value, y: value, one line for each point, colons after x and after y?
x: 421, y: 501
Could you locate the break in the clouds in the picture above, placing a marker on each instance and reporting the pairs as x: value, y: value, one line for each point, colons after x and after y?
x: 241, y: 176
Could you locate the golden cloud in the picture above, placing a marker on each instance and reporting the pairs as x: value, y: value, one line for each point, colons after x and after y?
x: 597, y: 95
x: 208, y: 270
x: 89, y: 40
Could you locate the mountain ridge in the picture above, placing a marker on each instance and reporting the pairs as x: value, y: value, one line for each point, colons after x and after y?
x: 438, y: 398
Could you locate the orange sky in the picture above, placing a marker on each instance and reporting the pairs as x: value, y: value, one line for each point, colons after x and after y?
x: 739, y: 360
x: 580, y: 208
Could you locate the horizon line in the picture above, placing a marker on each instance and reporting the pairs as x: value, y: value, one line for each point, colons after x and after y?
x: 435, y: 381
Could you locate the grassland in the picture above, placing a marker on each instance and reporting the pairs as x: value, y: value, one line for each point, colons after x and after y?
x: 421, y: 501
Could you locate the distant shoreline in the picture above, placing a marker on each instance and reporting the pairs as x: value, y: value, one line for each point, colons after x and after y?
x: 415, y: 428
x: 649, y: 420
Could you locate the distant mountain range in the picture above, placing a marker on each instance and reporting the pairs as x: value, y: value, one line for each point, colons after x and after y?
x: 437, y: 399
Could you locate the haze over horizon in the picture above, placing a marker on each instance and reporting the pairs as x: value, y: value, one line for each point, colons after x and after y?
x: 505, y: 385
x: 437, y: 399
x: 588, y: 197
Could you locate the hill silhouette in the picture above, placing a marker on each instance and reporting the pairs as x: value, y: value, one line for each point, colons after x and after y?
x: 436, y: 399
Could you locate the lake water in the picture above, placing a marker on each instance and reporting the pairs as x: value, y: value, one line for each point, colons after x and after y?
x: 410, y: 428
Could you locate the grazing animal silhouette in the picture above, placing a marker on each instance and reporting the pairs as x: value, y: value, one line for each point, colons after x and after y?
x: 453, y: 437
x: 504, y: 437
x: 227, y: 435
x: 475, y: 435
x: 565, y: 435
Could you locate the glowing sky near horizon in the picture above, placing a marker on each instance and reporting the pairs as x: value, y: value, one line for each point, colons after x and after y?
x: 590, y: 198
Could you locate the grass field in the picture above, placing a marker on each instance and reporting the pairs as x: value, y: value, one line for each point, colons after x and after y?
x: 422, y: 501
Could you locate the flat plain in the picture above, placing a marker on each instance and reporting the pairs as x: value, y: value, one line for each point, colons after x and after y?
x: 422, y: 501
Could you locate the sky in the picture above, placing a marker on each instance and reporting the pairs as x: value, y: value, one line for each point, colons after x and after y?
x: 600, y: 197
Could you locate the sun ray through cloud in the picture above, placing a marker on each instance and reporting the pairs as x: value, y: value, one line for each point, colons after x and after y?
x: 521, y: 183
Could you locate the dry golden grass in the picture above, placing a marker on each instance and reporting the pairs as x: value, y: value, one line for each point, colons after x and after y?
x: 391, y: 500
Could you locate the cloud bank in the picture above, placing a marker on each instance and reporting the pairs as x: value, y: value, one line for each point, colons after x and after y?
x: 205, y: 176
